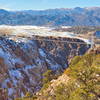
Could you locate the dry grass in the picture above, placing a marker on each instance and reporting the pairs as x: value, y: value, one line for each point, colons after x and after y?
x: 5, y: 31
x: 23, y: 35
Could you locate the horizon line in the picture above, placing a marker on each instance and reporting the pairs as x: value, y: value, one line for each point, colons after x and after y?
x: 49, y: 8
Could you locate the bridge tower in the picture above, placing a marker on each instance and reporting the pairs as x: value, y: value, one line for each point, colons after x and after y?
x: 92, y: 41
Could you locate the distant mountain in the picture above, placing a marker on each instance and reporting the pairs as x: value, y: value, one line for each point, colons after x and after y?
x: 52, y: 17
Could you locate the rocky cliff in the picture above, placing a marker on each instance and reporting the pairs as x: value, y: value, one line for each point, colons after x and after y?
x: 23, y: 62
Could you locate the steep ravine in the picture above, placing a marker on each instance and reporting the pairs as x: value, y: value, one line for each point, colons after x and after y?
x: 22, y: 62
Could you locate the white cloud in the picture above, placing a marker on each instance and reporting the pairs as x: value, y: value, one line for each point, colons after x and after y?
x: 6, y: 7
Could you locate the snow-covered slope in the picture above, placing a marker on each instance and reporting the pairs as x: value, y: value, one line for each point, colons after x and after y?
x: 29, y: 31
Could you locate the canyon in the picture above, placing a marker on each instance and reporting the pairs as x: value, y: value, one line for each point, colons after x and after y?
x: 27, y: 52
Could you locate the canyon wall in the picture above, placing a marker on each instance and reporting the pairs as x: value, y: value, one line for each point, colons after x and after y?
x: 22, y: 62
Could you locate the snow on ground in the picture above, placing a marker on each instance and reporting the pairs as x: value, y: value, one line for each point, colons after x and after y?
x: 29, y: 31
x: 15, y: 73
x: 86, y: 40
x: 42, y: 53
x: 65, y: 26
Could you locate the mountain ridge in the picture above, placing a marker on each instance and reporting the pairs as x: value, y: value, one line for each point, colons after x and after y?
x: 52, y: 17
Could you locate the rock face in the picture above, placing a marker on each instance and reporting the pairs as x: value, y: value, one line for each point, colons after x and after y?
x: 23, y: 62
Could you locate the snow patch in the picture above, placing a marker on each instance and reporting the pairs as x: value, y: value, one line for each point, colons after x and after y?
x: 42, y: 53
x: 10, y: 91
x: 15, y: 73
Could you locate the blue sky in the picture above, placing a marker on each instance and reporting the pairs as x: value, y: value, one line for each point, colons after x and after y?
x: 46, y: 4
